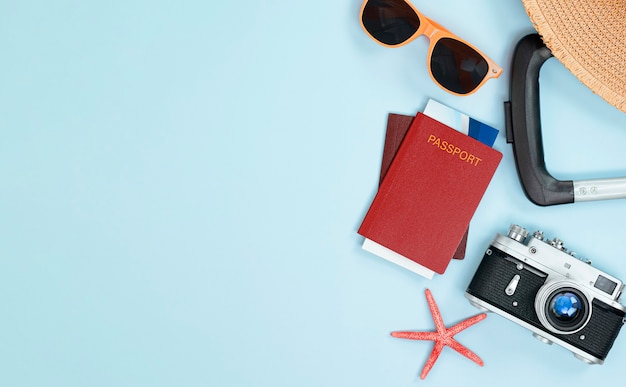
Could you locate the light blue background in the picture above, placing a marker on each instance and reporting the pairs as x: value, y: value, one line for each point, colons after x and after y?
x: 182, y: 182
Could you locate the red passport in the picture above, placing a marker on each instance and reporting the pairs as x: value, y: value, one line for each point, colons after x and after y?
x: 431, y: 190
x: 397, y: 126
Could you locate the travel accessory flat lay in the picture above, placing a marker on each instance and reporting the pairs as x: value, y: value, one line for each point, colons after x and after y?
x: 454, y: 64
x: 535, y: 282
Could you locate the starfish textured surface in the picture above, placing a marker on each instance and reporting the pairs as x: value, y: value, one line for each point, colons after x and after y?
x: 442, y: 336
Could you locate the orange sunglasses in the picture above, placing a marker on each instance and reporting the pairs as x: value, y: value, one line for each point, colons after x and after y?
x: 455, y: 65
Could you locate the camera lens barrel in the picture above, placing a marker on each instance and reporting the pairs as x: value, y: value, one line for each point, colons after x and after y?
x: 562, y: 308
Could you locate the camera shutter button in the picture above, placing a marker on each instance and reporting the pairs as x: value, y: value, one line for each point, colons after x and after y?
x: 512, y: 286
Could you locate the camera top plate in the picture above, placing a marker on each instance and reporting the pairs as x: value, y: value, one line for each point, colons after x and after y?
x: 552, y: 258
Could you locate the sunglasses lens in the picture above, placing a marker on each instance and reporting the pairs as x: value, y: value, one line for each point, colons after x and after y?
x: 456, y: 66
x: 390, y: 22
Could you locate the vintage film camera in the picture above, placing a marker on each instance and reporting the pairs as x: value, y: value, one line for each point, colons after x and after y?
x: 540, y: 285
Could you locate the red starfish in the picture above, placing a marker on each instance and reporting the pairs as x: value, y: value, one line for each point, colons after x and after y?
x: 443, y: 336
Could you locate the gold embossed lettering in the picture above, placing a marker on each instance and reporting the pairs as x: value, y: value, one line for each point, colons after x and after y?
x: 453, y: 150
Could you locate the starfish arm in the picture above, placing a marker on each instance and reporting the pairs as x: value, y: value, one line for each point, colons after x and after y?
x: 466, y: 323
x: 434, y: 310
x: 463, y: 350
x: 432, y: 359
x: 415, y: 335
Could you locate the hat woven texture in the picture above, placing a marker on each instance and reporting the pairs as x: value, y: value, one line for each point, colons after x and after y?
x: 589, y: 38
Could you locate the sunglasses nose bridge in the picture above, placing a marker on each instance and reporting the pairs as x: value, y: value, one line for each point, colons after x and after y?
x: 430, y: 31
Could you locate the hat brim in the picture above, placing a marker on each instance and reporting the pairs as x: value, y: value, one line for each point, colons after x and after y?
x: 589, y: 38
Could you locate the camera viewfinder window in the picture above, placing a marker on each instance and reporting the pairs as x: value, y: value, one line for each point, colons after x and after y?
x: 605, y: 284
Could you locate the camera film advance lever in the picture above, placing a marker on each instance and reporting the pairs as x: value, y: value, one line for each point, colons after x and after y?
x: 523, y: 130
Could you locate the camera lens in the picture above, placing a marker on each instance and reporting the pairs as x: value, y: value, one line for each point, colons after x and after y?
x: 566, y: 310
x: 562, y: 309
x: 565, y: 306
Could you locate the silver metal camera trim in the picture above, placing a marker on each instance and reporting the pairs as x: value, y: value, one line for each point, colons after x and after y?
x: 578, y: 353
x: 556, y: 264
x: 542, y: 297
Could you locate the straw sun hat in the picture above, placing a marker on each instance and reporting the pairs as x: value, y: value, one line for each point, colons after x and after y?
x: 589, y: 38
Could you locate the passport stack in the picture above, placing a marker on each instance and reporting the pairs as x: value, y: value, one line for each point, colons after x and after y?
x: 429, y: 191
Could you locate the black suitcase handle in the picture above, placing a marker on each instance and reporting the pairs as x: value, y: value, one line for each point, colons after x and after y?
x: 523, y: 130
